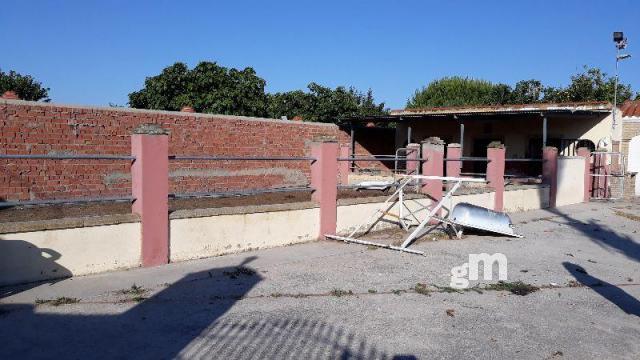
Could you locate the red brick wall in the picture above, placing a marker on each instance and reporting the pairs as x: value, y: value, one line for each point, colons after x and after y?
x: 38, y: 128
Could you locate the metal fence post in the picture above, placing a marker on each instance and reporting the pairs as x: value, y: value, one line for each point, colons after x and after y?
x: 495, y: 174
x: 150, y: 183
x: 550, y: 172
x: 586, y: 154
x: 324, y: 180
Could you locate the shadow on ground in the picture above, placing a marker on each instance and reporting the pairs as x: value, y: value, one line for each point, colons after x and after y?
x: 184, y: 320
x: 614, y: 294
x: 610, y: 240
x: 604, y: 236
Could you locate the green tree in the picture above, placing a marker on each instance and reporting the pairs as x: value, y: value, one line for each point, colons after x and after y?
x: 460, y: 91
x: 527, y: 92
x: 590, y: 85
x: 25, y: 86
x: 208, y: 88
x: 323, y: 104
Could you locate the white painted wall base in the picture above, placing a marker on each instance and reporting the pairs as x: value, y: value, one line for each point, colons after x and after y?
x: 41, y: 255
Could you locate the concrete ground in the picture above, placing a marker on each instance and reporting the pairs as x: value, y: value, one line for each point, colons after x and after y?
x: 334, y: 300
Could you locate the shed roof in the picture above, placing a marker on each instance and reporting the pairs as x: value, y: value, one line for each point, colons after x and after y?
x: 486, y: 110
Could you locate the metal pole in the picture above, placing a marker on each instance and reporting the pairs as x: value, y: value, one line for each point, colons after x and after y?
x: 408, y: 133
x: 353, y: 147
x: 461, y: 138
x: 615, y: 88
x: 544, y: 132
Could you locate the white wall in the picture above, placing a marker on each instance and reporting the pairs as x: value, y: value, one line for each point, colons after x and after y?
x: 39, y: 255
x: 570, y: 180
x: 200, y: 237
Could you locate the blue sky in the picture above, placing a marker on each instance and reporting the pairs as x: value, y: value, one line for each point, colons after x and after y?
x: 96, y: 52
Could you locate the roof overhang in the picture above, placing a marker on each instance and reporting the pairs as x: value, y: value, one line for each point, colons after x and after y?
x: 591, y: 108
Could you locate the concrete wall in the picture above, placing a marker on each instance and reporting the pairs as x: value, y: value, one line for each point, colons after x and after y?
x: 525, y: 198
x: 46, y: 254
x: 570, y: 180
x: 39, y: 255
x: 215, y: 235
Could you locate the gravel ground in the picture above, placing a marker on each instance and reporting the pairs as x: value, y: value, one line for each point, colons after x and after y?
x: 333, y: 300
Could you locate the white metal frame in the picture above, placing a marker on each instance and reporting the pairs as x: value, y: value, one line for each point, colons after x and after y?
x: 411, y: 218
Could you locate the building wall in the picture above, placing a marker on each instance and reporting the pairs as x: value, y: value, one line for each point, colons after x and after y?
x: 515, y: 133
x: 44, y: 128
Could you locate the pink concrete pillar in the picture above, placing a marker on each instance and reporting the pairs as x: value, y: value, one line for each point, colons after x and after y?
x: 413, y: 153
x: 324, y: 180
x: 433, y: 151
x: 550, y: 172
x: 343, y: 166
x: 586, y: 154
x: 454, y: 151
x: 150, y: 181
x: 495, y: 174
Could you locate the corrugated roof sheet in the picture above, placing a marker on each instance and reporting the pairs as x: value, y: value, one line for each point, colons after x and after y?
x: 630, y: 108
x: 519, y: 108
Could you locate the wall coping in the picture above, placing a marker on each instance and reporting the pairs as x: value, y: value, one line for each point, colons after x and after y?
x: 104, y: 220
x: 160, y: 112
x: 241, y: 210
x: 66, y: 223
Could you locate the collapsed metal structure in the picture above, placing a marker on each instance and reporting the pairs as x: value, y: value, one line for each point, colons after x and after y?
x: 463, y: 215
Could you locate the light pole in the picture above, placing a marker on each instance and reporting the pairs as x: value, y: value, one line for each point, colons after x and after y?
x: 621, y: 43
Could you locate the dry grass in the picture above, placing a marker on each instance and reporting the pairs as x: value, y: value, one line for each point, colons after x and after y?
x: 631, y: 217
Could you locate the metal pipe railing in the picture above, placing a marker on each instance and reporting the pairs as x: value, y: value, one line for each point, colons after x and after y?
x: 239, y: 192
x: 241, y: 158
x: 468, y: 158
x: 68, y: 157
x: 64, y: 201
x: 378, y: 159
x: 524, y: 160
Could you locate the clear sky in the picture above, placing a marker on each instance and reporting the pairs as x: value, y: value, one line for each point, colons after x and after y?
x: 96, y: 52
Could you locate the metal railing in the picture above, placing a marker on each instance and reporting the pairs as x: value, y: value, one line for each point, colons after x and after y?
x: 5, y: 204
x: 239, y: 158
x: 67, y: 157
x: 220, y: 194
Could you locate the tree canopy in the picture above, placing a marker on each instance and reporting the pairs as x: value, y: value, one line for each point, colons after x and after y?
x: 211, y: 88
x: 25, y: 86
x: 590, y: 85
x: 323, y: 104
x: 208, y: 88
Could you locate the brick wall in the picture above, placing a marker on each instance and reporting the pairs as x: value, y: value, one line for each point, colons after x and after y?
x: 39, y: 128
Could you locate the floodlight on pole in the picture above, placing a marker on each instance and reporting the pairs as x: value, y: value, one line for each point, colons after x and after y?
x: 621, y: 43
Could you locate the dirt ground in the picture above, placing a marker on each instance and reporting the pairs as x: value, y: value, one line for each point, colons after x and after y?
x: 51, y: 212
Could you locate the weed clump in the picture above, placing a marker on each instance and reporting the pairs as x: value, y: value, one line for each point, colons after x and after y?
x: 422, y: 289
x: 340, y: 293
x: 63, y: 300
x: 516, y: 287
